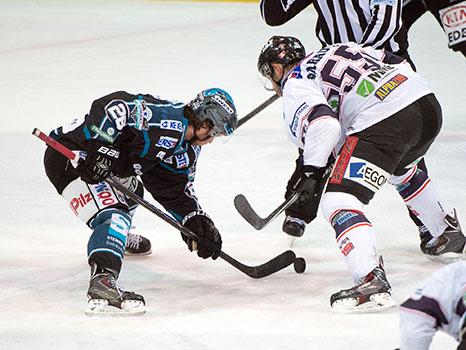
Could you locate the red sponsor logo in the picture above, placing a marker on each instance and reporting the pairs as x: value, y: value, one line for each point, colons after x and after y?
x: 454, y: 17
x: 80, y: 202
x: 347, y: 248
x: 104, y: 195
x: 343, y: 160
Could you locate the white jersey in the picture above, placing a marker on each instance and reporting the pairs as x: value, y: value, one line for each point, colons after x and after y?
x: 438, y: 303
x: 354, y: 83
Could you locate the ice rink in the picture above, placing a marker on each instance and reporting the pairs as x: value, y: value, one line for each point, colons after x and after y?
x: 56, y: 57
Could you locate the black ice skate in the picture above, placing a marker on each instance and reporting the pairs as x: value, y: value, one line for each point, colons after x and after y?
x: 107, y: 299
x: 294, y: 228
x: 447, y: 247
x: 137, y: 245
x: 372, y: 293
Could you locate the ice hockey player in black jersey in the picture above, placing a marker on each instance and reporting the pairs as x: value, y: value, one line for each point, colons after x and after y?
x: 131, y: 136
x: 368, y: 109
x: 450, y: 14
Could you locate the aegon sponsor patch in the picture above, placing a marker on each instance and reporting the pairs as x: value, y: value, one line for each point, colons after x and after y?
x: 365, y: 173
x: 386, y: 89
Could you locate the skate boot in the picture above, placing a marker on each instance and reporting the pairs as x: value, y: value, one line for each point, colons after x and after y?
x: 294, y: 226
x: 107, y: 299
x: 371, y: 294
x: 447, y: 247
x: 137, y: 245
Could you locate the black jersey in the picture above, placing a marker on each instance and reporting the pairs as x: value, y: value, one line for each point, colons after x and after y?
x: 149, y: 133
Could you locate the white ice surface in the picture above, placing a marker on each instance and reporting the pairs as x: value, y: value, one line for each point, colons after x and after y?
x: 56, y: 57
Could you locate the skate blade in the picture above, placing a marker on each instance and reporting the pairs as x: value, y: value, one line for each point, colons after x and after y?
x: 447, y: 258
x: 149, y: 252
x: 377, y: 302
x: 100, y: 307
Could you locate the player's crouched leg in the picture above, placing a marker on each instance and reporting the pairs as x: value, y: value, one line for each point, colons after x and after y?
x: 105, y: 211
x: 356, y: 240
x: 106, y: 249
x: 443, y: 239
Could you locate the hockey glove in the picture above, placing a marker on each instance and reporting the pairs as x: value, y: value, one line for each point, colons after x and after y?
x: 209, y: 242
x: 97, y: 166
x: 311, y: 181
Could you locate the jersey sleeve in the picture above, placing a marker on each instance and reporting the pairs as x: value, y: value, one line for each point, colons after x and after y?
x: 437, y: 303
x: 278, y: 12
x: 175, y: 192
x: 384, y: 23
x: 312, y: 124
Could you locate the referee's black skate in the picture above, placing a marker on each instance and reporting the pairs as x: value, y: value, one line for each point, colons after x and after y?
x: 137, y: 245
x: 371, y: 294
x: 447, y: 247
x: 107, y: 299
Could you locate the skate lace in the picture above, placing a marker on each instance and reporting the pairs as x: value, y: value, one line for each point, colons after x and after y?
x: 132, y: 241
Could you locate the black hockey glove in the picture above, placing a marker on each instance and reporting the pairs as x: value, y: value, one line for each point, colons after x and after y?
x: 98, y: 165
x: 311, y: 180
x: 209, y: 242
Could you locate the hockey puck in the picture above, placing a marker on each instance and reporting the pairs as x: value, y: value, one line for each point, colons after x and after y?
x: 299, y: 265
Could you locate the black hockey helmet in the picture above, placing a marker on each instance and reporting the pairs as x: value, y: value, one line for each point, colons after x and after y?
x: 216, y: 107
x: 280, y: 49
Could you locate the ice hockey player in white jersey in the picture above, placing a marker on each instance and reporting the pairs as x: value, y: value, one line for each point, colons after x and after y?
x: 379, y: 117
x: 439, y: 303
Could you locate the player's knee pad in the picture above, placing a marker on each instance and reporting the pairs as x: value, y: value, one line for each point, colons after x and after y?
x: 86, y: 200
x: 108, y: 238
x: 410, y: 183
x: 334, y: 202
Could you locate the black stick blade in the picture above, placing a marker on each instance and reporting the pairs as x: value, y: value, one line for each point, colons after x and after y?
x: 245, y: 210
x: 278, y: 263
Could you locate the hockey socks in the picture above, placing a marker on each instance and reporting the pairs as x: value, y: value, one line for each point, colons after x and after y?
x: 419, y: 194
x: 355, y: 237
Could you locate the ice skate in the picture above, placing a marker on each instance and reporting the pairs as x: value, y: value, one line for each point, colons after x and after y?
x: 107, y: 299
x: 447, y: 247
x: 371, y: 294
x: 137, y: 245
x: 294, y: 228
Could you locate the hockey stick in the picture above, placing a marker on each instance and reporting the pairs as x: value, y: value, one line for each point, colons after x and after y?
x: 244, y: 208
x: 258, y: 109
x: 276, y: 264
